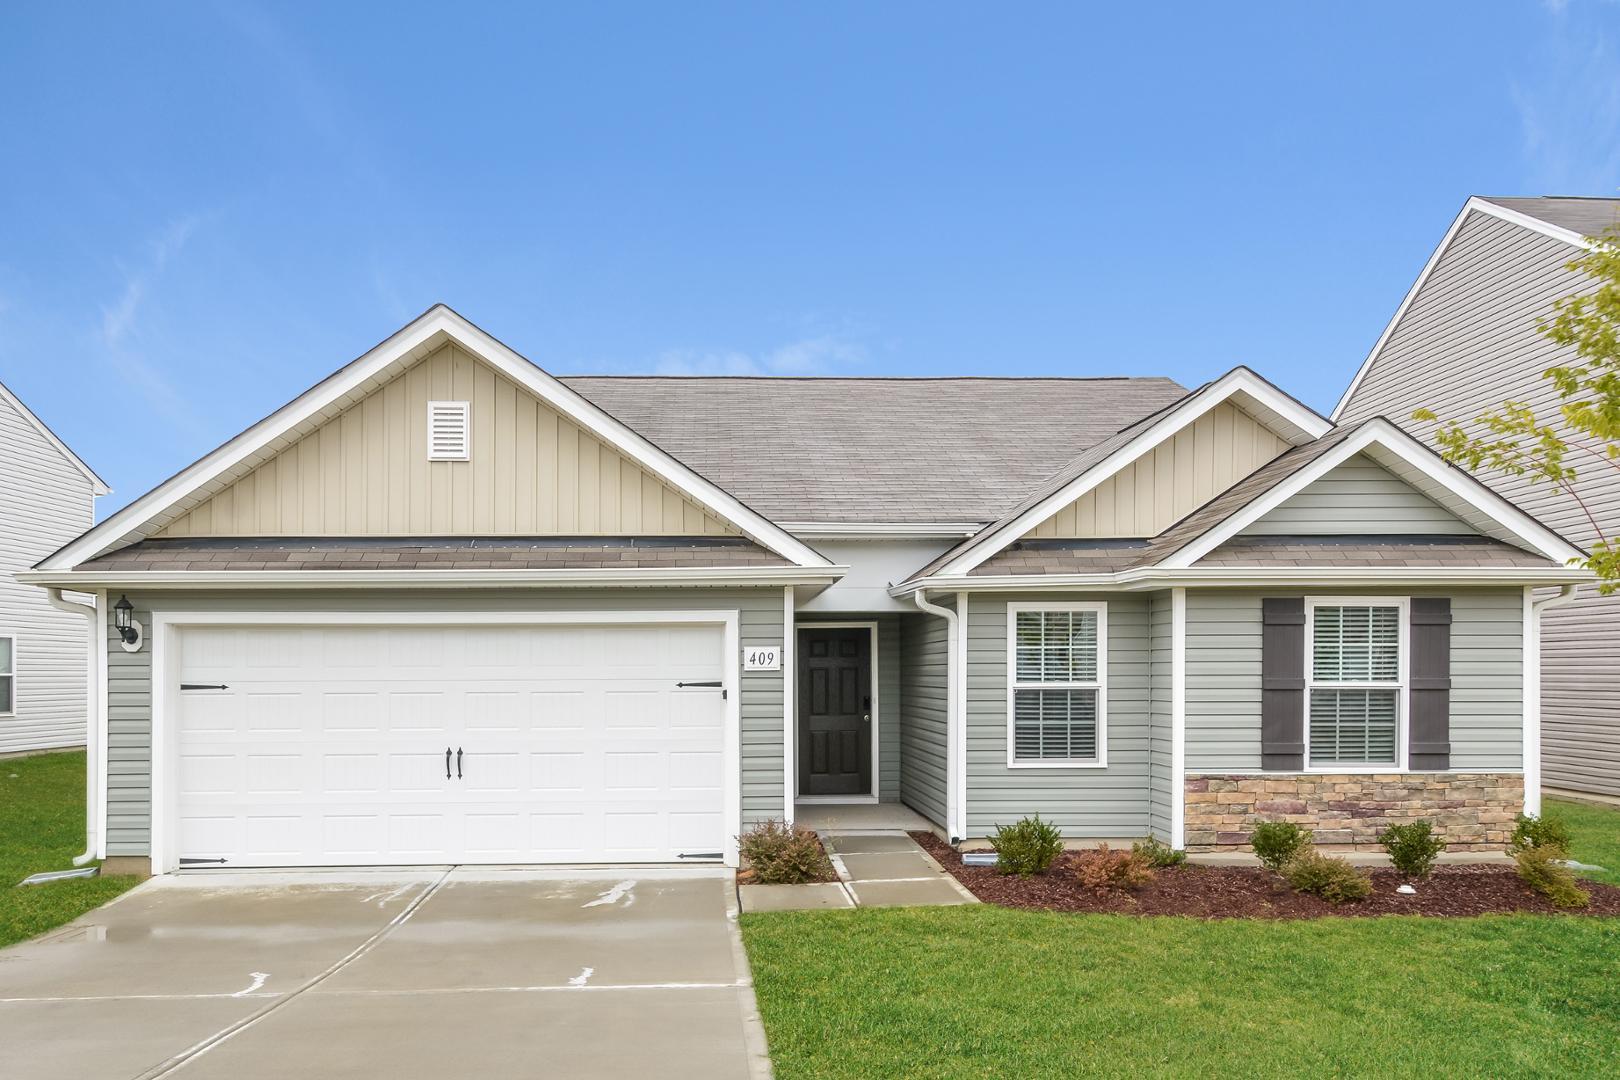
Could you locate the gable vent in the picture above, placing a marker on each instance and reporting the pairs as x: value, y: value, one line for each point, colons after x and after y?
x: 448, y: 423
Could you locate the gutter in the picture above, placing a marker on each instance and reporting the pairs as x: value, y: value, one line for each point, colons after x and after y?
x: 1532, y: 693
x: 956, y: 720
x: 315, y: 579
x: 1239, y: 577
x: 92, y: 722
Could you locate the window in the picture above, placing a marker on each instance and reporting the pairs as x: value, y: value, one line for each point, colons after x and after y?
x: 448, y: 424
x: 8, y: 676
x: 1355, y: 683
x: 1057, y: 685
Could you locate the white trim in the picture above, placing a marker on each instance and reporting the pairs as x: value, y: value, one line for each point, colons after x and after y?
x: 959, y: 733
x: 1531, y: 706
x: 1099, y: 684
x: 11, y: 713
x: 1382, y: 433
x: 98, y: 486
x: 1271, y: 577
x: 1484, y: 206
x: 954, y: 781
x: 164, y: 672
x: 860, y: 530
x: 419, y: 337
x: 1178, y: 718
x: 790, y: 705
x: 1239, y: 381
x: 99, y: 719
x: 1402, y: 686
x: 568, y: 578
x: 871, y: 627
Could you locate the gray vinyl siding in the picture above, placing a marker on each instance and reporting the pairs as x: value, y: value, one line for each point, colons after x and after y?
x: 1107, y: 802
x: 1160, y: 720
x: 886, y: 690
x: 1223, y: 678
x: 1366, y: 495
x: 129, y: 682
x: 1468, y: 342
x: 924, y: 714
x: 45, y: 501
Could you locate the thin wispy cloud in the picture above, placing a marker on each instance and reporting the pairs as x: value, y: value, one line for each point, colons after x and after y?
x: 118, y: 318
x: 1569, y: 110
x: 826, y: 354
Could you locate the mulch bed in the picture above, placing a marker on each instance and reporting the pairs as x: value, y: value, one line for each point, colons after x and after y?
x: 1224, y: 892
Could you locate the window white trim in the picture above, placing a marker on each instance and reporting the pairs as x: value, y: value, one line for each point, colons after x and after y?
x: 1100, y: 684
x: 11, y: 674
x: 1402, y: 686
x: 449, y: 430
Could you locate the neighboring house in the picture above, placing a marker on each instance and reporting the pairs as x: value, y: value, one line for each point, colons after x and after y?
x: 47, y: 497
x: 1464, y: 340
x: 447, y: 608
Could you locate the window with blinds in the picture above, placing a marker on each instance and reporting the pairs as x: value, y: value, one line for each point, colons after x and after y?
x: 1056, y: 684
x: 1354, y: 686
x: 449, y: 437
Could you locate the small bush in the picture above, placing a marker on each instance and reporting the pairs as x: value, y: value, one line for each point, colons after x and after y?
x: 1412, y: 847
x: 1159, y: 854
x: 1026, y: 848
x: 1276, y: 842
x: 1333, y: 879
x: 1540, y: 832
x: 1105, y: 870
x: 780, y: 854
x: 1542, y: 869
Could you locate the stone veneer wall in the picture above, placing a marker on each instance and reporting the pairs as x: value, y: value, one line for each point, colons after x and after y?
x: 1471, y: 811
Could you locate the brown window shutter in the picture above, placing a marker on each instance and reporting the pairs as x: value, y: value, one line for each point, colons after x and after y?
x: 1282, y: 683
x: 1429, y: 727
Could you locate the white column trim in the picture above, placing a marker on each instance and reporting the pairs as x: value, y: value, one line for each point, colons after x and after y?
x: 1178, y: 718
x: 790, y: 706
x: 1532, y: 705
x: 959, y: 736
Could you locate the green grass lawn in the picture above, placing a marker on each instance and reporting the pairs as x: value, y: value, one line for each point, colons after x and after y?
x: 42, y: 828
x: 992, y: 992
x: 1595, y: 831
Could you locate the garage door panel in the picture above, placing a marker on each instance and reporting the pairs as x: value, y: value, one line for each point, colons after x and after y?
x: 329, y: 746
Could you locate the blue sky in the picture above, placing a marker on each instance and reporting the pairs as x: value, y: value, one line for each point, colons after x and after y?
x: 208, y: 207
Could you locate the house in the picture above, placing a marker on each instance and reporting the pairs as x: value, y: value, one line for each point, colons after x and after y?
x: 1464, y: 340
x: 447, y: 608
x: 47, y: 497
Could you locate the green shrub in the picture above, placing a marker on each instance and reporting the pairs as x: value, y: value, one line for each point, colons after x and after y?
x: 1276, y: 842
x: 1333, y: 879
x: 1412, y: 847
x: 780, y: 854
x: 1026, y: 848
x: 1158, y: 853
x: 1540, y: 832
x: 1542, y: 868
x: 1105, y: 869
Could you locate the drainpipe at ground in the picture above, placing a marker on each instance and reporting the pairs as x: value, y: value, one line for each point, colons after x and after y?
x: 92, y: 698
x: 953, y: 698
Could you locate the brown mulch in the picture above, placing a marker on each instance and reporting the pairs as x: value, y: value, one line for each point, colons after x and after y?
x: 1224, y: 892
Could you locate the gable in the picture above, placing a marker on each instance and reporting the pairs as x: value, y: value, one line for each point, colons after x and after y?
x: 530, y: 471
x: 1360, y: 497
x: 1169, y: 481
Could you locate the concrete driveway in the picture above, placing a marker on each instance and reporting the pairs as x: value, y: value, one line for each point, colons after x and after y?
x: 431, y: 974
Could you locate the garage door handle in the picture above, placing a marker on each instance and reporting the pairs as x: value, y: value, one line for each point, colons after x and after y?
x: 447, y: 763
x: 458, y: 763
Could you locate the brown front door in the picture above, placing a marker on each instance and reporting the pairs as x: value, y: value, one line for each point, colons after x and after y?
x: 835, y: 712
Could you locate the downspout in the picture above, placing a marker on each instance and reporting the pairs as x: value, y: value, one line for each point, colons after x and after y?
x: 1532, y: 696
x: 953, y: 700
x: 92, y: 727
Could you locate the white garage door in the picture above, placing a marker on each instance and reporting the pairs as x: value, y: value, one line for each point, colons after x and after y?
x: 350, y: 745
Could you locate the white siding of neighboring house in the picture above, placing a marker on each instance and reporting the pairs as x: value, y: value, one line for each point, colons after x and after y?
x: 1468, y: 342
x: 45, y: 501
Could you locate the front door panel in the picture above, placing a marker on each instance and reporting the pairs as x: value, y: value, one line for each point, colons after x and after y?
x: 835, y: 712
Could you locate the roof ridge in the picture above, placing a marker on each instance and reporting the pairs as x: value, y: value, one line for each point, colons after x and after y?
x: 881, y: 378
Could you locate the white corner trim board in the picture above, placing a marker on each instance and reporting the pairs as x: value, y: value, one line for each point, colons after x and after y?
x: 1178, y: 718
x: 1239, y: 382
x: 437, y: 325
x: 169, y: 625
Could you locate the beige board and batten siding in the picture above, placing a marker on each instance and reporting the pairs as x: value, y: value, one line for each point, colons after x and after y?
x: 1111, y: 802
x: 129, y: 676
x: 1359, y: 496
x: 1169, y: 481
x: 45, y: 501
x: 365, y: 472
x: 1223, y: 677
x: 925, y: 713
x: 1468, y: 342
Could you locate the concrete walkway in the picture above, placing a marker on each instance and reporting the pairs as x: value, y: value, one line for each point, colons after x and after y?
x: 407, y: 975
x: 875, y: 869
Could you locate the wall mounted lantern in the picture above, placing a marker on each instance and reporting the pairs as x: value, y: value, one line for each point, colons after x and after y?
x: 128, y: 627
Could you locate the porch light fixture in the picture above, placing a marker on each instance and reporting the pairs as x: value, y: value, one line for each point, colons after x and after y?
x: 129, y: 630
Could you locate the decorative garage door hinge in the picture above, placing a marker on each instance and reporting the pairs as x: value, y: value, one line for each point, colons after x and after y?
x: 203, y: 686
x: 699, y: 855
x: 717, y: 684
x: 197, y: 862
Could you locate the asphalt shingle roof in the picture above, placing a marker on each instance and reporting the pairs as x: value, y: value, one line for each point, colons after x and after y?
x: 876, y: 449
x: 1588, y: 217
